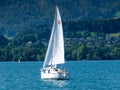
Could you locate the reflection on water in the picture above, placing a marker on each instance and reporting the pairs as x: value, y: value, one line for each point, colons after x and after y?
x: 57, y: 83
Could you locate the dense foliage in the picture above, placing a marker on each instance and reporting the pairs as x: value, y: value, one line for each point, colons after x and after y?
x: 94, y: 52
x: 84, y: 40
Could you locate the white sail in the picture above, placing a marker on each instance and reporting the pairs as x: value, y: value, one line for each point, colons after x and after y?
x: 55, y: 51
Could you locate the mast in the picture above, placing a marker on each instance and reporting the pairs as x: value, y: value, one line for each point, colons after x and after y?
x: 53, y: 40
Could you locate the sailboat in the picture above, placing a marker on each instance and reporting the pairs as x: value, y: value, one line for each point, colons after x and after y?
x: 55, y: 52
x: 19, y: 61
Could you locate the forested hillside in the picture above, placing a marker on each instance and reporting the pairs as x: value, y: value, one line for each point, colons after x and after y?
x: 91, y: 29
x: 89, y: 39
x: 17, y: 15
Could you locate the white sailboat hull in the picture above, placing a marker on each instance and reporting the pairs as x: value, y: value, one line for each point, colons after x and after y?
x: 53, y: 73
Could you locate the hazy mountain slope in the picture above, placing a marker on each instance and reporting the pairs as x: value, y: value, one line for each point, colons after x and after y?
x: 16, y: 15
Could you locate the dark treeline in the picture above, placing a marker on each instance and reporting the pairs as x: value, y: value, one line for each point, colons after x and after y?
x: 99, y: 26
x: 83, y: 40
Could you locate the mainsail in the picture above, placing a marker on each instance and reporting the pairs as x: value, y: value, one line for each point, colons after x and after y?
x: 55, y: 51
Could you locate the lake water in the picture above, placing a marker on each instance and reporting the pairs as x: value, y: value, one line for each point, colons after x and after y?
x: 84, y: 75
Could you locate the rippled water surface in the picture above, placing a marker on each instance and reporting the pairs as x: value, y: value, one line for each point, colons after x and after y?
x: 84, y: 75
